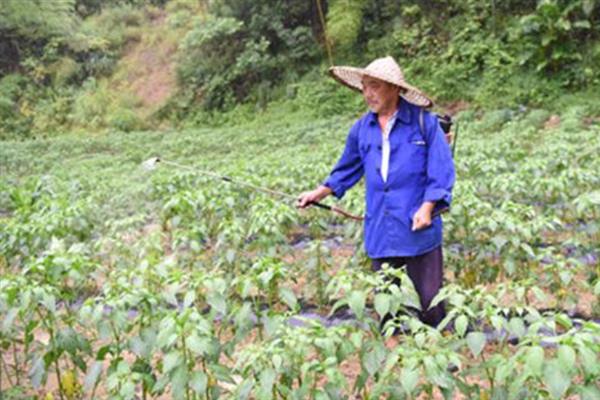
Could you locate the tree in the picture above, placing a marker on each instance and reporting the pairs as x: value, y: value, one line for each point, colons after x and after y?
x: 28, y: 24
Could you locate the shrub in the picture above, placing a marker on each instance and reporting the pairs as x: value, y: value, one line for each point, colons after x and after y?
x: 100, y: 106
x: 117, y: 25
x: 124, y: 120
x: 536, y: 118
x: 325, y: 97
x: 64, y: 71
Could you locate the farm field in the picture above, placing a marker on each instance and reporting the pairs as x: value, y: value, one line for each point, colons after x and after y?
x: 121, y: 283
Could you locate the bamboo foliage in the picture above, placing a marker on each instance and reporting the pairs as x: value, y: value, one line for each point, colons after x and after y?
x: 344, y: 21
x: 37, y: 18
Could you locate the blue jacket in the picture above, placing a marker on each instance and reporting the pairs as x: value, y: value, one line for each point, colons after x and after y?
x: 420, y: 169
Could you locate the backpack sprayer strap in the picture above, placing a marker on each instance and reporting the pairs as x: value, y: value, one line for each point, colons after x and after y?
x: 446, y: 123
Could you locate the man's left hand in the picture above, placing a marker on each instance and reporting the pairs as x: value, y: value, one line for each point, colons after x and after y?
x: 422, y: 218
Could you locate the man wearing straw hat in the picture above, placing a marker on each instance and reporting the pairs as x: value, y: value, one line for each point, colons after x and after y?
x: 401, y: 150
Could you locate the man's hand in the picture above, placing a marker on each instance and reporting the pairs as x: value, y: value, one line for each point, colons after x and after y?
x: 449, y: 137
x: 422, y: 218
x: 314, y: 196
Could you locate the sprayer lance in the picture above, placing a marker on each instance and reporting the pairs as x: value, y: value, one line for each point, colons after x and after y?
x: 153, y: 162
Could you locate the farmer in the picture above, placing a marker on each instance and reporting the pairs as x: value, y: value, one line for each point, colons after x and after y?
x: 409, y: 177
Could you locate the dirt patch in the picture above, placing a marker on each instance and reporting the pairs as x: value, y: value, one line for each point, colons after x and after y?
x: 154, y: 81
x: 552, y: 122
x: 147, y: 70
x: 587, y: 121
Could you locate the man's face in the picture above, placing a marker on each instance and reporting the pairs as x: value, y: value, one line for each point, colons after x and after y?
x: 379, y: 95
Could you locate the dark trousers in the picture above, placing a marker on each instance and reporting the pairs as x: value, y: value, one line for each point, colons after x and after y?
x: 426, y: 273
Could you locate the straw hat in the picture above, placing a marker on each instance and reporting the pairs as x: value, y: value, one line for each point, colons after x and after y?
x: 386, y: 69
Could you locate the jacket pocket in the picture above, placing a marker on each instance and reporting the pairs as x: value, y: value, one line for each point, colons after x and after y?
x: 416, y: 154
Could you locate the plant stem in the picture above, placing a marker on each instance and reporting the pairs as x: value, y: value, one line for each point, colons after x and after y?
x: 53, y: 342
x: 59, y: 378
x: 206, y: 391
x: 186, y: 362
x: 488, y: 373
x: 8, y: 377
x: 94, y: 389
x: 118, y: 340
x: 56, y: 366
x: 16, y: 361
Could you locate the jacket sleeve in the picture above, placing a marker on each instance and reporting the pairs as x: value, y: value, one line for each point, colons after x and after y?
x: 440, y: 166
x: 349, y: 168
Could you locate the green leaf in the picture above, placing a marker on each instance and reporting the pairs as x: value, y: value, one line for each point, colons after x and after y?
x: 565, y: 277
x: 217, y: 302
x: 356, y: 301
x: 373, y: 360
x: 277, y: 361
x: 566, y: 357
x: 167, y: 334
x: 556, y: 379
x: 197, y: 345
x: 539, y: 294
x: 589, y: 360
x: 37, y: 372
x: 198, y: 382
x: 8, y: 320
x: 92, y: 376
x: 498, y: 322
x: 476, y: 342
x: 243, y: 317
x: 527, y: 248
x: 169, y: 294
x: 516, y: 326
x: 189, y: 299
x: 499, y: 241
x: 288, y: 297
x: 420, y: 339
x: 535, y: 360
x: 409, y: 378
x: 127, y: 390
x: 49, y: 302
x: 434, y: 373
x: 179, y: 381
x: 230, y: 255
x: 382, y: 304
x: 244, y: 390
x: 589, y: 392
x: 583, y: 24
x: 172, y: 360
x: 267, y: 379
x: 461, y: 324
x: 588, y: 6
x: 502, y: 372
x: 563, y: 320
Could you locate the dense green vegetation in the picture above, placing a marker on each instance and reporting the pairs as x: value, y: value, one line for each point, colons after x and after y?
x: 67, y: 64
x: 117, y: 282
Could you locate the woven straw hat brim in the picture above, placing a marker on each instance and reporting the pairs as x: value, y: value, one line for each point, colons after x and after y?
x: 352, y: 76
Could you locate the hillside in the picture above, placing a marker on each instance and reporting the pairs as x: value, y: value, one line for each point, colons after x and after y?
x: 95, y: 67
